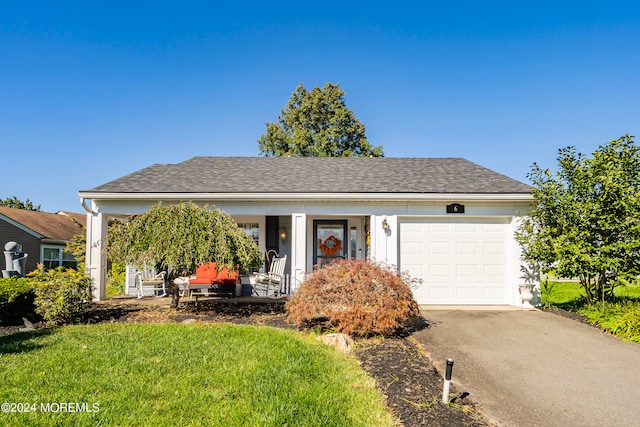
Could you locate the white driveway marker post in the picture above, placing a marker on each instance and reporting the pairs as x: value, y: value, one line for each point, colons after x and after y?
x: 447, y: 381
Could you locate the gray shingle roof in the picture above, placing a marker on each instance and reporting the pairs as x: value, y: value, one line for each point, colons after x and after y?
x: 315, y: 175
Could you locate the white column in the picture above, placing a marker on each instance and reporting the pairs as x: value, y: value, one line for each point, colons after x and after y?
x: 384, y: 239
x: 96, y: 262
x: 298, y: 249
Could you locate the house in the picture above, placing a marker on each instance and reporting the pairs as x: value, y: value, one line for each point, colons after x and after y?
x: 447, y: 221
x: 43, y: 235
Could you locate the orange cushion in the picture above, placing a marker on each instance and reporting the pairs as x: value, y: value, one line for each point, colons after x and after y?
x: 207, y: 271
x: 226, y: 277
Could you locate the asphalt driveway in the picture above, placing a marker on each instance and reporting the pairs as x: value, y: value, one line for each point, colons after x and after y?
x: 533, y: 368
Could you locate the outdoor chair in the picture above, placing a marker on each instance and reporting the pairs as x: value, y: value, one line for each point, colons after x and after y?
x: 270, y: 283
x: 151, y: 281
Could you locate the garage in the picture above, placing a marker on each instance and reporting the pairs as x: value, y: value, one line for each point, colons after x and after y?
x: 460, y: 261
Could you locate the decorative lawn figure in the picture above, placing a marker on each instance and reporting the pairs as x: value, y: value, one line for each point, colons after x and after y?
x: 182, y: 236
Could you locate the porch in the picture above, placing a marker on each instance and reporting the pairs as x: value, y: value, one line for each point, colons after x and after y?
x: 308, y: 240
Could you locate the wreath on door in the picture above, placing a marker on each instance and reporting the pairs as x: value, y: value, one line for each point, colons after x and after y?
x: 331, y: 245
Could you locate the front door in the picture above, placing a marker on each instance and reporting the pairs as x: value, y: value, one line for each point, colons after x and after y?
x: 330, y: 241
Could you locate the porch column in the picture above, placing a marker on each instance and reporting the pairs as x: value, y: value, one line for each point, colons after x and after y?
x: 298, y: 249
x: 384, y: 239
x: 96, y: 262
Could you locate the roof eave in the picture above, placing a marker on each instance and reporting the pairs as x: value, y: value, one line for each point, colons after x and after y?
x: 486, y: 197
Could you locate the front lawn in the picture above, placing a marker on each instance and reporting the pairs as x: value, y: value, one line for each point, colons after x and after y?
x: 187, y: 375
x: 621, y: 318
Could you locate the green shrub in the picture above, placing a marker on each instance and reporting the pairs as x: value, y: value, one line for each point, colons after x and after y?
x: 115, y: 279
x: 61, y: 295
x: 621, y: 319
x: 16, y: 300
x: 354, y: 297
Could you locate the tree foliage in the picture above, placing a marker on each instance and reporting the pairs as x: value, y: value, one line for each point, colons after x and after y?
x: 317, y: 124
x: 77, y: 247
x: 182, y: 236
x: 14, y: 202
x: 585, y: 222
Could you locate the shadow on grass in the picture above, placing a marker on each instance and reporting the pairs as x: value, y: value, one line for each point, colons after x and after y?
x: 22, y: 342
x: 572, y: 305
x: 580, y: 302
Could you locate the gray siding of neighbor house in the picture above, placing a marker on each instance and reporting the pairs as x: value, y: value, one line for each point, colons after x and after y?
x: 30, y: 244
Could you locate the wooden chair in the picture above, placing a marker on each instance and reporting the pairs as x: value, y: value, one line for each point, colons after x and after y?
x: 270, y: 283
x: 146, y: 280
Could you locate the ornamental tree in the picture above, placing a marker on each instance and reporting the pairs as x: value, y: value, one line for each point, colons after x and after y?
x: 317, y: 124
x: 14, y: 202
x: 585, y: 222
x: 179, y: 237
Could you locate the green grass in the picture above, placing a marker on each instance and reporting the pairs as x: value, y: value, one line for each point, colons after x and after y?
x: 187, y: 375
x: 561, y: 294
x: 621, y: 318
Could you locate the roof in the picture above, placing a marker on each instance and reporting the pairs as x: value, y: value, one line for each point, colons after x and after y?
x: 315, y: 175
x: 59, y: 226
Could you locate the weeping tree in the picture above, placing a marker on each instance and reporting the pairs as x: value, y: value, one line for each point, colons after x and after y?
x: 179, y: 237
x: 585, y: 222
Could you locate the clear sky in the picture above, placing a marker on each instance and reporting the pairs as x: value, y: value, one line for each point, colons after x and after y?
x: 93, y: 90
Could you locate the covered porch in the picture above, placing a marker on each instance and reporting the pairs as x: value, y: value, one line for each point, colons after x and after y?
x: 308, y: 239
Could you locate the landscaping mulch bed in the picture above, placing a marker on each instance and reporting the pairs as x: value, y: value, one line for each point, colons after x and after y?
x: 570, y: 315
x: 403, y: 373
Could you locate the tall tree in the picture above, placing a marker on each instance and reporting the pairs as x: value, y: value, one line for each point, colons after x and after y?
x: 14, y: 202
x: 181, y: 235
x: 585, y: 222
x: 317, y: 124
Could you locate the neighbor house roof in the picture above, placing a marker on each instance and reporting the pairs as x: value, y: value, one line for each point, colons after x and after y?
x: 315, y: 175
x: 61, y: 226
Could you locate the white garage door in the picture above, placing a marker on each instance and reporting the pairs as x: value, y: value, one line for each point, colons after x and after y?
x: 460, y: 261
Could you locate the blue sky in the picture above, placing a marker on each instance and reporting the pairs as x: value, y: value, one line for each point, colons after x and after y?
x: 92, y: 91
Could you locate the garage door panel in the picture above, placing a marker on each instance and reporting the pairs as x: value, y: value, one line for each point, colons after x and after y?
x: 465, y: 228
x: 466, y: 270
x: 493, y: 294
x: 493, y: 228
x: 438, y: 227
x: 413, y: 248
x: 460, y: 261
x: 413, y: 227
x: 467, y: 293
x: 466, y: 248
x: 438, y: 270
x: 493, y: 271
x: 439, y: 248
x: 493, y: 248
x: 438, y: 292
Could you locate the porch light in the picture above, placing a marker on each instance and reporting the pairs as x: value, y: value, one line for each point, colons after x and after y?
x: 385, y: 224
x: 283, y: 234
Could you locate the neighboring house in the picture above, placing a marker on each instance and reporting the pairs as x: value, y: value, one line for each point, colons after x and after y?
x: 447, y: 221
x: 43, y: 235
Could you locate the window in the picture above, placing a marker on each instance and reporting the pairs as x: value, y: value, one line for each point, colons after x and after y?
x: 51, y: 258
x: 68, y: 261
x: 55, y: 257
x: 252, y: 230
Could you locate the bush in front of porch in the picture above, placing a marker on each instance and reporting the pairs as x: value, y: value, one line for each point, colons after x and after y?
x: 354, y: 297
